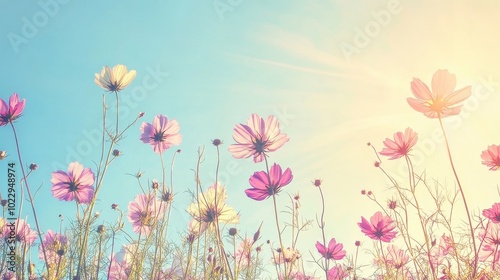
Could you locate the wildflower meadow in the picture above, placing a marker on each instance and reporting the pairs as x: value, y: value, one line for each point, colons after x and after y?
x: 400, y: 235
x: 242, y: 140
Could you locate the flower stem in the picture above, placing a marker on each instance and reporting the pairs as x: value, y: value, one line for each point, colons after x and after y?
x: 474, y: 265
x: 411, y: 175
x: 277, y: 220
x: 322, y: 227
x: 30, y: 197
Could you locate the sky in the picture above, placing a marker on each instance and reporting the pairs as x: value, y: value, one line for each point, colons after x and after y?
x: 335, y: 73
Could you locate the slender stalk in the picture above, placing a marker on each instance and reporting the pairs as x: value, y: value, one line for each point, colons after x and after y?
x: 30, y: 197
x: 411, y: 175
x: 474, y: 265
x: 383, y: 258
x: 322, y: 227
x: 277, y: 220
x: 217, y: 228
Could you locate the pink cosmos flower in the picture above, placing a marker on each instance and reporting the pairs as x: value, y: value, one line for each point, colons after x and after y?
x: 116, y: 79
x: 243, y: 255
x: 144, y: 212
x: 9, y: 113
x: 401, y: 145
x: 443, y: 100
x: 491, y: 157
x: 491, y: 240
x: 396, y: 257
x: 257, y: 138
x: 162, y: 134
x: 493, y: 213
x: 337, y: 273
x: 491, y: 235
x: 119, y: 270
x: 74, y: 185
x: 334, y: 251
x: 55, y: 246
x: 24, y: 233
x: 263, y: 188
x: 439, y: 252
x: 380, y: 227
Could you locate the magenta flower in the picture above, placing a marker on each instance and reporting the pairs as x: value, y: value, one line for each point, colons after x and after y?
x: 334, y: 251
x: 490, y: 241
x: 380, y: 227
x: 144, y: 212
x: 9, y: 113
x: 257, y: 138
x: 74, y: 185
x: 493, y: 213
x: 401, y: 145
x: 491, y: 235
x: 24, y: 234
x: 337, y: 273
x: 263, y: 188
x: 439, y: 252
x: 162, y: 134
x: 491, y: 157
x: 443, y: 100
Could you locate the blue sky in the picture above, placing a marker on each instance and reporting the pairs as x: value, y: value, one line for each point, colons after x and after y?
x: 211, y: 64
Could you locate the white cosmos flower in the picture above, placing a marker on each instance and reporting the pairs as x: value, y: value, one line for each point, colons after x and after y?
x: 115, y: 79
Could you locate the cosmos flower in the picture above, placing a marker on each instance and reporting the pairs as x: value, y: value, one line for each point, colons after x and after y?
x: 120, y: 266
x: 443, y: 100
x: 243, y: 254
x: 144, y: 212
x: 491, y: 157
x: 396, y: 257
x: 334, y: 251
x: 490, y: 240
x: 266, y: 185
x: 337, y: 273
x: 162, y: 134
x: 9, y: 113
x: 208, y: 210
x: 55, y: 247
x: 289, y: 255
x: 493, y: 213
x: 257, y: 138
x: 401, y: 145
x: 74, y: 185
x: 439, y: 252
x: 24, y: 234
x: 380, y: 227
x: 116, y: 79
